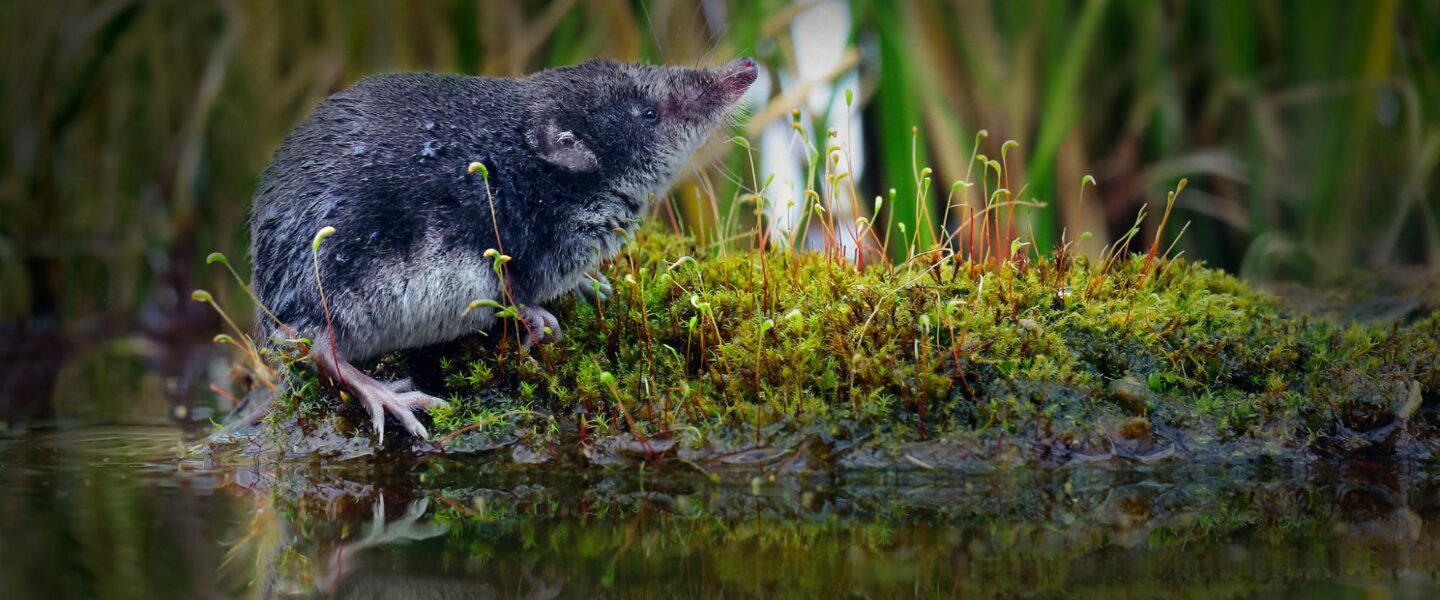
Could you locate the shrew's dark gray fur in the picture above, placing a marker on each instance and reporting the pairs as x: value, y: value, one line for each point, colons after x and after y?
x: 573, y: 155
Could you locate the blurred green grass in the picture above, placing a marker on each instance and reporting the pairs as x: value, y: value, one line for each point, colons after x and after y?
x: 133, y: 131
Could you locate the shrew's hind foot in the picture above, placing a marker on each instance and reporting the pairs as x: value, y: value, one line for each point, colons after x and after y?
x: 379, y: 399
x: 398, y: 398
x: 537, y: 321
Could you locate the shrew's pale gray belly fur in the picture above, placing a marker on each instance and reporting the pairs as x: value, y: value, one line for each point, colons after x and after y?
x: 417, y: 302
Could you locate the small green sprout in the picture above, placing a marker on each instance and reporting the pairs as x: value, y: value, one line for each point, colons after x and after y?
x: 1005, y: 148
x: 481, y: 303
x: 498, y: 259
x: 320, y: 236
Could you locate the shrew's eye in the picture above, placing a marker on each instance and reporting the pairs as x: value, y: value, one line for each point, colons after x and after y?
x: 650, y: 116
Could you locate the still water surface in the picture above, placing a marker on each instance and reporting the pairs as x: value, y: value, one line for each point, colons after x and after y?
x: 112, y: 513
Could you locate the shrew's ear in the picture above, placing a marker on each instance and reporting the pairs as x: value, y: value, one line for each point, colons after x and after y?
x: 562, y: 148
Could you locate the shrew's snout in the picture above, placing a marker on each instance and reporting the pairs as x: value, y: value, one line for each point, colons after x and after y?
x: 736, y: 77
x: 704, y: 96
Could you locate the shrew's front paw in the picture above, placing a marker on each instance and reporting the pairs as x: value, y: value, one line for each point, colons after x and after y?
x: 594, y: 287
x: 541, y: 327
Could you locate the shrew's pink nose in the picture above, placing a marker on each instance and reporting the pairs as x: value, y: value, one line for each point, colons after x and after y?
x: 738, y: 75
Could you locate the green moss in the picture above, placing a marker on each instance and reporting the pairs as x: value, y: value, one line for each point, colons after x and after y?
x: 747, y: 349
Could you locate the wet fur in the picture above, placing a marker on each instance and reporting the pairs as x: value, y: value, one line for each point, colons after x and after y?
x: 385, y: 161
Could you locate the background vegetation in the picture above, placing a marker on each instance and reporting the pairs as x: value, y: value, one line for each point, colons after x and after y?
x: 133, y: 131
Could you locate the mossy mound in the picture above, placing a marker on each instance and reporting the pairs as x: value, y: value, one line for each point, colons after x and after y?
x: 706, y: 354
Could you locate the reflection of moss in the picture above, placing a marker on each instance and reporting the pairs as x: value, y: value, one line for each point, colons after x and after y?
x: 734, y: 347
x: 1088, y: 532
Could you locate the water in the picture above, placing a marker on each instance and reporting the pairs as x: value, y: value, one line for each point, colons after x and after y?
x: 111, y: 513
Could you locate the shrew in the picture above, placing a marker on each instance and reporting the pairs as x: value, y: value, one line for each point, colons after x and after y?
x: 572, y: 156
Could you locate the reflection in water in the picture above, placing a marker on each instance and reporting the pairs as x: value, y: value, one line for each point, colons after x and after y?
x: 91, y: 514
x: 507, y: 533
x: 336, y: 564
x: 74, y: 525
